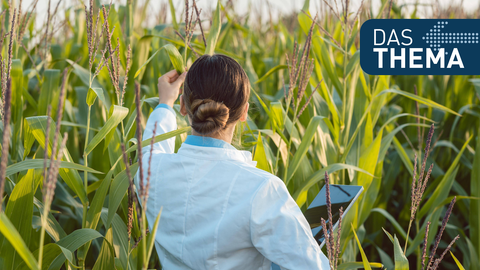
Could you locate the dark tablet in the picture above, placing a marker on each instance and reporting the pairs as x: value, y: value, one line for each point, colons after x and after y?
x: 340, y: 196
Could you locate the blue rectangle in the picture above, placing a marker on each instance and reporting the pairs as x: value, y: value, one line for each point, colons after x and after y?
x: 420, y: 46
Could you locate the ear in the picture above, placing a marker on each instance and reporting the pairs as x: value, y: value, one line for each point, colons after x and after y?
x: 183, y: 109
x: 244, y: 116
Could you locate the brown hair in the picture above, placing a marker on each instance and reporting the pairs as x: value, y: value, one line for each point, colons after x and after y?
x: 215, y: 92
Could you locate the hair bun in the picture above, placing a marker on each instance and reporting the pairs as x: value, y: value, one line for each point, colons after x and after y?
x: 209, y: 116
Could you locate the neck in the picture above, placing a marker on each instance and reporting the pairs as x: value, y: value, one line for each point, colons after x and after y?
x: 226, y: 135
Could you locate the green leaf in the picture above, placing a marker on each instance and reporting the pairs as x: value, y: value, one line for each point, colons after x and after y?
x: 12, y: 235
x: 419, y: 99
x: 141, y: 52
x: 151, y: 238
x: 49, y: 91
x: 93, y: 214
x: 118, y: 113
x: 38, y: 164
x: 181, y: 43
x: 72, y: 242
x: 83, y: 74
x: 475, y: 205
x: 278, y: 114
x: 401, y: 262
x: 392, y: 220
x: 19, y: 210
x: 78, y: 238
x: 174, y: 16
x: 460, y: 266
x: 53, y: 228
x: 101, y: 94
x: 260, y: 156
x: 175, y: 58
x: 214, y: 31
x: 356, y: 265
x: 68, y: 255
x: 444, y: 187
x: 366, y: 264
x: 270, y: 72
x: 146, y: 62
x: 28, y: 140
x: 120, y: 238
x: 118, y: 190
x: 353, y: 62
x: 303, y: 148
x: 388, y: 234
x: 37, y: 125
x: 105, y: 259
x: 91, y: 97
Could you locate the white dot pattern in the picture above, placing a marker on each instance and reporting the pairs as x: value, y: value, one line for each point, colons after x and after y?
x: 436, y: 37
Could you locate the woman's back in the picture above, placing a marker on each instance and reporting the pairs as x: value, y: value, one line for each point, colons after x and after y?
x: 219, y: 210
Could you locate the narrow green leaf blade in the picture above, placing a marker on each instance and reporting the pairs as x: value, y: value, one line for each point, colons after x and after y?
x: 401, y: 262
x: 366, y: 264
x: 12, y: 235
x: 270, y: 72
x: 419, y: 99
x: 38, y: 164
x: 303, y: 148
x: 117, y: 115
x: 460, y: 266
x: 146, y: 62
x: 356, y: 265
x: 214, y: 31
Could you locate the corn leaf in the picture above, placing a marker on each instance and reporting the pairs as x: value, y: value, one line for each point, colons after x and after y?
x: 118, y: 189
x: 39, y: 163
x: 146, y: 62
x: 151, y: 238
x: 270, y: 72
x: 366, y: 264
x: 214, y: 31
x: 118, y: 113
x: 460, y: 266
x: 175, y: 58
x: 49, y: 91
x: 474, y: 221
x: 106, y: 256
x: 72, y: 242
x: 12, y: 235
x: 260, y: 156
x: 19, y: 210
x: 419, y: 99
x: 392, y: 220
x: 401, y: 262
x: 37, y: 125
x: 172, y: 13
x: 303, y: 148
x: 120, y: 238
x: 356, y: 265
x: 442, y: 189
x: 53, y: 228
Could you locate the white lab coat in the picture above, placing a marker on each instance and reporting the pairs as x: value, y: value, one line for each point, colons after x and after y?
x: 220, y: 211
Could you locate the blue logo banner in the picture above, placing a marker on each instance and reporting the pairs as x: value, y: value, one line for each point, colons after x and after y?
x: 420, y: 47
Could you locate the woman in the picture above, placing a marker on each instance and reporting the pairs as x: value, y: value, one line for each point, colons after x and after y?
x: 219, y: 210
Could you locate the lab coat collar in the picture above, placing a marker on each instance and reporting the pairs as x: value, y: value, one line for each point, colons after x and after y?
x: 213, y: 149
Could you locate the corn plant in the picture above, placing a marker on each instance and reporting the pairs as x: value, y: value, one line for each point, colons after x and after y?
x: 77, y: 90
